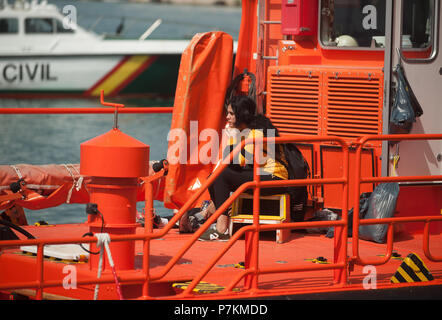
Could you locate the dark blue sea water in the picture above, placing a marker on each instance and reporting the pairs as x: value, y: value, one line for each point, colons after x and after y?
x: 46, y: 139
x: 178, y: 21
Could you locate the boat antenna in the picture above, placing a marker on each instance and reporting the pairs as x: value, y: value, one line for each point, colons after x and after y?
x: 151, y: 29
x: 111, y: 104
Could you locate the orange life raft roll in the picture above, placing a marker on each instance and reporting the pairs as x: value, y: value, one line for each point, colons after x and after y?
x: 204, y: 76
x: 51, y: 185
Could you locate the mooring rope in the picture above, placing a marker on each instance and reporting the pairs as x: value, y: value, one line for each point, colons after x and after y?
x: 103, y: 243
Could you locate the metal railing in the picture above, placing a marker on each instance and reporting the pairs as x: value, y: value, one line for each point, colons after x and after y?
x: 390, y: 221
x: 81, y: 110
x: 253, y: 268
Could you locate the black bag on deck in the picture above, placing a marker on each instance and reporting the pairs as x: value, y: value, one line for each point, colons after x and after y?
x: 298, y: 168
x: 381, y: 203
x: 405, y: 108
x: 363, y: 207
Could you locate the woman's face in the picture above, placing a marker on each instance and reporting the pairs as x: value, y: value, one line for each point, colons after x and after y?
x: 231, y: 119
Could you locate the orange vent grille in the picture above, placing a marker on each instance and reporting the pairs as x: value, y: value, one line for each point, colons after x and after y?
x: 294, y: 102
x: 322, y: 101
x: 352, y: 104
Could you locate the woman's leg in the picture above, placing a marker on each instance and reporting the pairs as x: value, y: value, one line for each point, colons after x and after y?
x: 230, y: 180
x: 208, y: 211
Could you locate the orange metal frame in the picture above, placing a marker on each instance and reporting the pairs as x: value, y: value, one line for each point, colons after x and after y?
x: 252, y: 267
x: 97, y: 110
x: 390, y: 221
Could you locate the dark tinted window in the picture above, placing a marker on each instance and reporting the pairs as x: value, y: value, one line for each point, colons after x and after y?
x: 353, y: 23
x: 39, y: 25
x: 8, y: 25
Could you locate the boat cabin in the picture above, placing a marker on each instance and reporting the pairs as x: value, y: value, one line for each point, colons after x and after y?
x: 24, y: 25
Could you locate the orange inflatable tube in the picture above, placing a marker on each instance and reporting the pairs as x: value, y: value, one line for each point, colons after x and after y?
x: 51, y: 185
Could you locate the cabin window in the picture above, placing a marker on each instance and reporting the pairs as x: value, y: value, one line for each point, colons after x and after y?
x: 60, y: 28
x: 352, y: 23
x: 39, y: 25
x: 418, y: 26
x: 8, y: 25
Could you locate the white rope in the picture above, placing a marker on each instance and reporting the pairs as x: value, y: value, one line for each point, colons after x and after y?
x: 75, y: 183
x: 80, y: 179
x: 68, y: 198
x: 20, y: 176
x: 103, y: 240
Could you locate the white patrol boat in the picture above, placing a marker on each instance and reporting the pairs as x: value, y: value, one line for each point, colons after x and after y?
x: 43, y: 52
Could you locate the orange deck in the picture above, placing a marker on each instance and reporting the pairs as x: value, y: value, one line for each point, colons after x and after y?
x: 16, y: 267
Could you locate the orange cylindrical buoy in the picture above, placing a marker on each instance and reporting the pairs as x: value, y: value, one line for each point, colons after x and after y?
x: 114, y: 161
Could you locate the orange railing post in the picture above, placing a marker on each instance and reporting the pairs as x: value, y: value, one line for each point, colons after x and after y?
x: 39, y: 269
x: 148, y: 225
x: 148, y: 229
x: 341, y: 232
x: 252, y: 237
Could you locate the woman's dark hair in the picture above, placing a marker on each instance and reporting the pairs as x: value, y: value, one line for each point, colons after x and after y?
x: 261, y: 122
x: 244, y: 109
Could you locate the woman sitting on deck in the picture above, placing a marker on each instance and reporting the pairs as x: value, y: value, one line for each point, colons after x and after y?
x: 241, y: 115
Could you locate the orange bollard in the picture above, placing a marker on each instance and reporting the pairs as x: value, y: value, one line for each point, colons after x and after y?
x: 114, y: 160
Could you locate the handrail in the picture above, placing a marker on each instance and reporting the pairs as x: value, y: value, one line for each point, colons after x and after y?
x: 40, y: 284
x: 340, y: 255
x: 253, y: 270
x: 146, y: 236
x: 356, y: 258
x: 82, y: 110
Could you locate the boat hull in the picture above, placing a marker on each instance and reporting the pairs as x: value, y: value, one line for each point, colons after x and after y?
x: 87, y: 75
x: 18, y: 267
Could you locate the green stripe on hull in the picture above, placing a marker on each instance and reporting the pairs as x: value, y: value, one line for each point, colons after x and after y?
x: 159, y: 78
